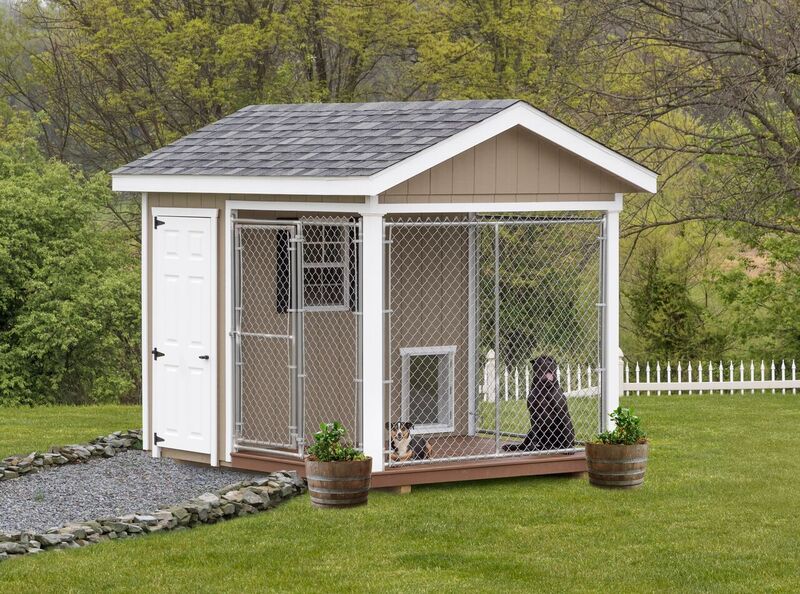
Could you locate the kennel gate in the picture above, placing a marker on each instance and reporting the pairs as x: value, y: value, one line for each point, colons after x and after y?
x: 470, y: 300
x: 296, y: 331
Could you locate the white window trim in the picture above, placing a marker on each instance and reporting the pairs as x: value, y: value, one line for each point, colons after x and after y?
x: 345, y: 306
x: 405, y: 406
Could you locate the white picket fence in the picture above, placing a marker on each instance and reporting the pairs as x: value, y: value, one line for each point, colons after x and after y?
x: 709, y: 377
x: 515, y: 382
x: 648, y: 378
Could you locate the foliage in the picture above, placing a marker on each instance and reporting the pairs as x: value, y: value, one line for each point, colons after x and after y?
x: 628, y: 430
x: 763, y: 294
x: 69, y: 288
x: 666, y: 322
x: 328, y: 445
x: 705, y: 93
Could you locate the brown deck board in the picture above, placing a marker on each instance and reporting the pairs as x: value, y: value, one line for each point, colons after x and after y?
x: 441, y: 472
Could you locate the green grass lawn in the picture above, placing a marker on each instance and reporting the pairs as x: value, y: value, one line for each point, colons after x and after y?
x: 719, y: 512
x: 25, y: 429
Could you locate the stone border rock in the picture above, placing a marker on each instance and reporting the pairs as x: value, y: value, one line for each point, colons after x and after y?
x: 238, y: 499
x: 104, y: 446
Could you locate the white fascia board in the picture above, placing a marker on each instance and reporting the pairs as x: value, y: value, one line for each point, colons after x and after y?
x: 541, y: 124
x: 239, y: 184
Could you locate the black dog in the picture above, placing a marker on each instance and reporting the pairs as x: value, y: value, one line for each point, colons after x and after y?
x: 551, y: 425
x: 406, y: 446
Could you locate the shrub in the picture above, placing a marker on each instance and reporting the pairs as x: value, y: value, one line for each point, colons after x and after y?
x: 628, y: 430
x: 69, y: 282
x: 328, y: 445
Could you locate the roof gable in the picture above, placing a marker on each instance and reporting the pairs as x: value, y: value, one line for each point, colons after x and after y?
x: 349, y: 149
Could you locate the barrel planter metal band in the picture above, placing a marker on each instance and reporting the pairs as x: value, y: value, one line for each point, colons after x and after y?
x: 620, y: 466
x: 339, y: 484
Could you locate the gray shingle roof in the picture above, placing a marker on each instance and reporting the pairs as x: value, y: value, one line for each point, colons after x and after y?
x: 314, y: 139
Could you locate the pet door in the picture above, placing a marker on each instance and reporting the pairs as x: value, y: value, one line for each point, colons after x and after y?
x: 427, y: 390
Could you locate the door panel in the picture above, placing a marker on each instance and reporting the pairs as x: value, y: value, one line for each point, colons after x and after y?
x: 182, y: 330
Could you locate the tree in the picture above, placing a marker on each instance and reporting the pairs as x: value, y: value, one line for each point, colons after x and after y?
x: 69, y: 297
x: 666, y: 322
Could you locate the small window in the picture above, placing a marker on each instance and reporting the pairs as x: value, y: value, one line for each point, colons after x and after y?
x: 326, y: 274
x: 427, y: 388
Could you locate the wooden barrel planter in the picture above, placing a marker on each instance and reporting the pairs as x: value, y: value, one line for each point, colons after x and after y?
x: 616, y: 466
x: 339, y: 484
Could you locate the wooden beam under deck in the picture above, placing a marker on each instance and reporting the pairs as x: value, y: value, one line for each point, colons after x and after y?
x: 445, y: 472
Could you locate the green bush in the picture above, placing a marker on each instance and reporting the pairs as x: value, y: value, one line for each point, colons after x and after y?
x: 628, y: 430
x: 69, y: 282
x: 328, y: 446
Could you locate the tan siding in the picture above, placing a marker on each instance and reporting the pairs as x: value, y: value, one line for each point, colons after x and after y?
x: 463, y: 172
x: 506, y: 163
x: 442, y: 178
x: 485, y: 167
x: 509, y: 168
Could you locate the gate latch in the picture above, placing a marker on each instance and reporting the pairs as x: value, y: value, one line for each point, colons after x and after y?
x: 156, y: 438
x: 157, y: 354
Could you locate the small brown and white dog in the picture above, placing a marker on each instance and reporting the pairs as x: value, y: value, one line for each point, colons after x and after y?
x: 405, y: 446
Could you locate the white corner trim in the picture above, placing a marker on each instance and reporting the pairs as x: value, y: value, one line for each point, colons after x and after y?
x: 518, y: 114
x: 214, y: 453
x: 145, y: 331
x: 229, y: 420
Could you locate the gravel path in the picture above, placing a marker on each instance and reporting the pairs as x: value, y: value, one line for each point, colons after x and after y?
x: 130, y: 482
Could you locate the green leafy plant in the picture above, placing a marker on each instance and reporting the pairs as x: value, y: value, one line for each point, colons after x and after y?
x: 628, y: 429
x: 328, y: 445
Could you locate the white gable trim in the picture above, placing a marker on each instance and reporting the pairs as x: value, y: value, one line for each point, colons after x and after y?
x: 519, y: 114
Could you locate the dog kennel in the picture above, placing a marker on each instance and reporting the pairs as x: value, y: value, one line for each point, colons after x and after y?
x: 375, y: 263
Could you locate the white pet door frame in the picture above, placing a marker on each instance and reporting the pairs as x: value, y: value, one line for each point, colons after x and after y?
x: 445, y: 399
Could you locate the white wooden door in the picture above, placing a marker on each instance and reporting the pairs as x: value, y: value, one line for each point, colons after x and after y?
x: 183, y: 393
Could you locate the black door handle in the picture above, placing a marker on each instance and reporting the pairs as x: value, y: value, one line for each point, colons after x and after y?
x: 203, y: 357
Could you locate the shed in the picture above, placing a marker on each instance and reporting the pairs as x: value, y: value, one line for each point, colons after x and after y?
x: 381, y: 263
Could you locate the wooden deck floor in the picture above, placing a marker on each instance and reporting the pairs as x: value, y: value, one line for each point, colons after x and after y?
x: 442, y: 471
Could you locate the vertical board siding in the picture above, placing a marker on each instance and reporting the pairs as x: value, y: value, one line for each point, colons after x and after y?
x: 514, y: 166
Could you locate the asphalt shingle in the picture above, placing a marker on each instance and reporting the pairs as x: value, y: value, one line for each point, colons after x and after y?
x: 314, y: 139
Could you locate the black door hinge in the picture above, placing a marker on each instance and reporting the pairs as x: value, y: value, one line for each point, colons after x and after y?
x: 156, y: 222
x: 156, y: 438
x: 157, y: 354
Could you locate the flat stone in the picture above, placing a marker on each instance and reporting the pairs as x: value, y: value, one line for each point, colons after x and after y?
x: 234, y: 496
x: 10, y: 474
x: 50, y: 540
x: 109, y: 452
x: 12, y: 548
x: 180, y: 513
x: 251, y: 498
x: 144, y: 519
x: 210, y: 498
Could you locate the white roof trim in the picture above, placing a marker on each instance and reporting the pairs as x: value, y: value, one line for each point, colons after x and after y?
x: 519, y: 114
